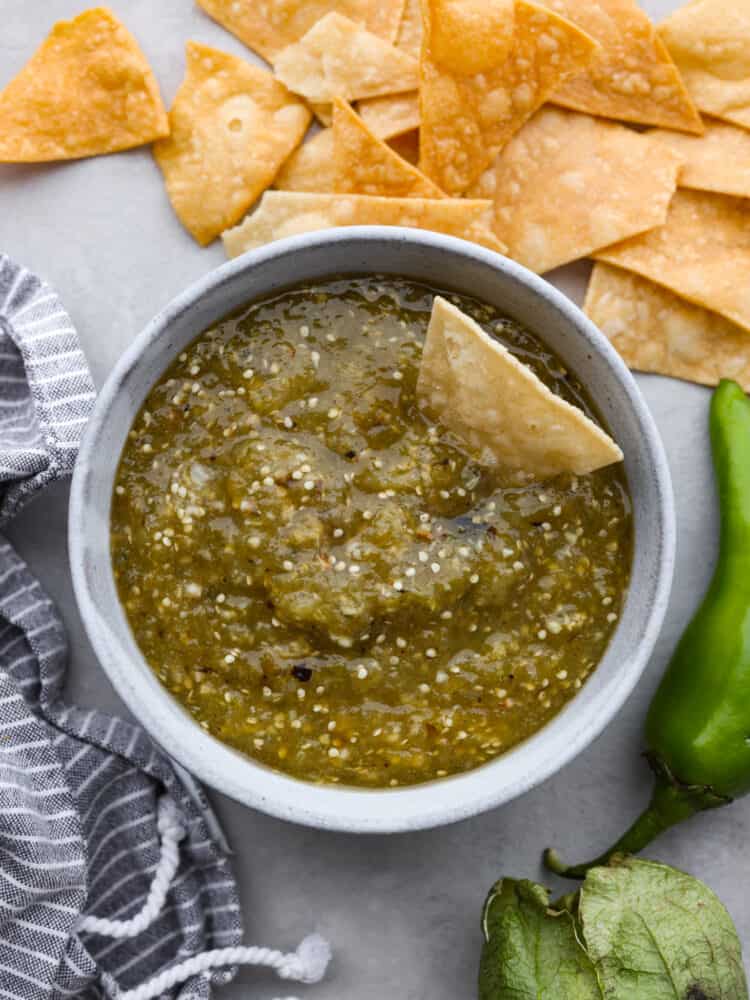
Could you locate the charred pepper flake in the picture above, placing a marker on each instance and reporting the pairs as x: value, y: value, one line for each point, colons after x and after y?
x: 302, y: 673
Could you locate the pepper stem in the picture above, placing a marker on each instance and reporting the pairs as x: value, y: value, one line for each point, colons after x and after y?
x: 671, y: 803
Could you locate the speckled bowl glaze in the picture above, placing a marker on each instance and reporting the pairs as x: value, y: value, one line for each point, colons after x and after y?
x: 447, y: 263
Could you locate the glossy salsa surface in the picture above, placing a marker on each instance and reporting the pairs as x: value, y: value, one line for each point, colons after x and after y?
x: 324, y: 578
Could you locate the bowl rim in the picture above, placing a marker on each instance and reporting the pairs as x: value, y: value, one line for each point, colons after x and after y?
x: 321, y: 806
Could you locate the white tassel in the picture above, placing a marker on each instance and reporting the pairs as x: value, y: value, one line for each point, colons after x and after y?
x: 171, y: 832
x: 307, y: 964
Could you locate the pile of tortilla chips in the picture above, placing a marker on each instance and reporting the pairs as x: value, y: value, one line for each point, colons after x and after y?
x: 517, y: 124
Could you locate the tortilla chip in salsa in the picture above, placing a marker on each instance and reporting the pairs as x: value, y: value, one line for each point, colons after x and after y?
x: 498, y: 407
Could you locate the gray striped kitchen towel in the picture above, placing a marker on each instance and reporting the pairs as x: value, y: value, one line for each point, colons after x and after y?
x: 112, y: 867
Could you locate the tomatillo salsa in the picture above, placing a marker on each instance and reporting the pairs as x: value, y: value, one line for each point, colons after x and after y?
x: 324, y: 578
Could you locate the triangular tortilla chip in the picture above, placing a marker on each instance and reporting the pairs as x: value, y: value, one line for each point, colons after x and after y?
x: 633, y: 77
x: 467, y: 37
x: 391, y: 115
x: 568, y: 184
x: 287, y: 213
x: 268, y: 26
x: 718, y: 161
x: 366, y: 165
x: 394, y: 114
x: 338, y: 58
x: 409, y: 37
x: 233, y: 125
x: 466, y: 120
x: 701, y: 253
x: 312, y: 167
x: 87, y: 90
x: 655, y: 331
x: 497, y: 406
x: 709, y: 41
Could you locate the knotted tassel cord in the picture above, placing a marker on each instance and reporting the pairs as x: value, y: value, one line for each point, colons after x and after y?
x: 171, y: 833
x: 307, y: 964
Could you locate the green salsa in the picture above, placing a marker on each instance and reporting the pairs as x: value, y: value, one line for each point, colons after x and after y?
x: 324, y: 578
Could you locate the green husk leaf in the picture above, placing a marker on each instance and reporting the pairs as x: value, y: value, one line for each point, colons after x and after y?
x: 655, y: 933
x: 531, y: 951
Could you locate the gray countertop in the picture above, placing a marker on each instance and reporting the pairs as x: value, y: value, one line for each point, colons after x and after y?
x: 402, y: 911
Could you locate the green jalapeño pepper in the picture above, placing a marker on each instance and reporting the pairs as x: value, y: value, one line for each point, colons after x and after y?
x: 698, y: 727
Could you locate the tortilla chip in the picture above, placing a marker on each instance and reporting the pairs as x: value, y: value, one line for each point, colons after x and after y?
x: 407, y: 146
x: 719, y: 160
x: 655, y: 331
x: 391, y: 115
x: 268, y: 26
x: 471, y: 36
x: 409, y: 37
x: 702, y: 253
x: 466, y: 120
x: 497, y: 406
x: 338, y: 58
x: 286, y: 213
x: 709, y: 41
x: 233, y: 125
x: 367, y: 165
x: 323, y: 111
x: 87, y: 90
x: 633, y: 77
x: 568, y: 184
x: 311, y: 167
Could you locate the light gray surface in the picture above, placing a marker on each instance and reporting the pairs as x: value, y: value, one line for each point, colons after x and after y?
x: 402, y: 911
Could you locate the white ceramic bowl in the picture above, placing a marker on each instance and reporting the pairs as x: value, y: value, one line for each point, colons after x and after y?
x: 446, y: 263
